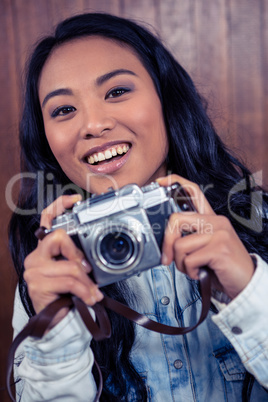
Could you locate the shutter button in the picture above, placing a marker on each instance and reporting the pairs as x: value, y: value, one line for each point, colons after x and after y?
x: 165, y: 300
x: 178, y: 364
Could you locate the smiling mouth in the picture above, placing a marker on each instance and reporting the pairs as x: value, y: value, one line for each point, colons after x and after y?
x: 112, y: 153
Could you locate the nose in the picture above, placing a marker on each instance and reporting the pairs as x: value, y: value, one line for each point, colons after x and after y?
x: 96, y: 120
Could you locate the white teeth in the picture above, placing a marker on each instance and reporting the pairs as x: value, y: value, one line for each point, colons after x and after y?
x: 101, y: 157
x: 108, y: 154
x: 96, y: 159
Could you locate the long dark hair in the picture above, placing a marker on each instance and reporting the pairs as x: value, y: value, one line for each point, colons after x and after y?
x: 195, y: 152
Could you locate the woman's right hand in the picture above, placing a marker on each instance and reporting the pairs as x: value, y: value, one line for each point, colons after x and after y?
x: 48, y: 278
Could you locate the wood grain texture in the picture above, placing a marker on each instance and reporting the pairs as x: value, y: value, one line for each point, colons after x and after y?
x: 222, y: 43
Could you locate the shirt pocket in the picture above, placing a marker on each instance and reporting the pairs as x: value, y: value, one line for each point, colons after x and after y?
x: 230, y: 364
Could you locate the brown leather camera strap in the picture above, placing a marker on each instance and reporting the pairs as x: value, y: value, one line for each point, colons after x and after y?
x: 144, y: 321
x: 101, y: 328
x: 39, y: 323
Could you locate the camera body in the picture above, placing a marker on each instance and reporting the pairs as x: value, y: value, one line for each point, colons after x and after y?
x: 121, y: 231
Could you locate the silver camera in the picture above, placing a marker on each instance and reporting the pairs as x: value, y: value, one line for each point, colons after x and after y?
x: 121, y: 232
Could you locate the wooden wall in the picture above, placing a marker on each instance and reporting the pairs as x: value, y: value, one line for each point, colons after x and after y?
x: 222, y: 43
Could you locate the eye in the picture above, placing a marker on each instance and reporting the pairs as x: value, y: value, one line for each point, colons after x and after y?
x: 116, y: 92
x: 63, y: 111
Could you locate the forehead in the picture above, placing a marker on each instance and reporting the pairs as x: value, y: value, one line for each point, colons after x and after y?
x: 95, y: 54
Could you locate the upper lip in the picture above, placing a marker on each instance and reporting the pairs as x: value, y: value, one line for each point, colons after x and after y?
x: 104, y: 147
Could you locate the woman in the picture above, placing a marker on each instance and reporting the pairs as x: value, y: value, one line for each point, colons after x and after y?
x: 107, y: 105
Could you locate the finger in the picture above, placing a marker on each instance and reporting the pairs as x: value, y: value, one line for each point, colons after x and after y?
x: 51, y: 289
x: 57, y: 208
x: 197, y: 196
x: 205, y: 256
x: 227, y: 258
x: 188, y: 245
x: 60, y: 277
x: 58, y: 243
x: 182, y: 223
x: 53, y: 269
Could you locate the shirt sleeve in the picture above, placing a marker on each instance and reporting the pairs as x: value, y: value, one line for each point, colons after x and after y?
x: 57, y: 367
x: 244, y: 321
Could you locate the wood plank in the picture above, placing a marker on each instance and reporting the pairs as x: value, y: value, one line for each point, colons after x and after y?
x: 246, y: 79
x: 199, y: 44
x: 264, y: 60
x: 178, y: 31
x: 143, y: 12
x: 31, y: 20
x: 9, y: 162
x: 211, y: 73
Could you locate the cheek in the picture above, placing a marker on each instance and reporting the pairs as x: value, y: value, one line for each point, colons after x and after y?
x: 148, y: 117
x: 157, y: 132
x: 57, y: 148
x: 59, y: 143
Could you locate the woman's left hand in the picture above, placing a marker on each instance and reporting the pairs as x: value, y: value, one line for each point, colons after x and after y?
x: 213, y: 242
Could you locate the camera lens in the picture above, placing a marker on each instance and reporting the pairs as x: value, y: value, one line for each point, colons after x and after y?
x: 116, y: 248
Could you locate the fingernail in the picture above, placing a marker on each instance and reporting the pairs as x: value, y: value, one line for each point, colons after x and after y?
x: 94, y: 298
x: 91, y: 301
x: 76, y: 197
x: 99, y: 295
x: 164, y: 259
x: 85, y: 266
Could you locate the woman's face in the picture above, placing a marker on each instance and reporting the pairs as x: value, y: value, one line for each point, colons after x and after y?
x: 103, y: 118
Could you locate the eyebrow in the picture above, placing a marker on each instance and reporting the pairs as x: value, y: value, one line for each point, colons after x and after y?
x: 103, y: 78
x: 57, y: 92
x: 99, y: 81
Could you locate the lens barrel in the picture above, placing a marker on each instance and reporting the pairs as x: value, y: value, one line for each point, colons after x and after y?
x: 116, y: 248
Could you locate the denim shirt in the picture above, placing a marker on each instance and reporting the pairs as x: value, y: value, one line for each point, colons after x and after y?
x: 199, y: 366
x: 207, y: 364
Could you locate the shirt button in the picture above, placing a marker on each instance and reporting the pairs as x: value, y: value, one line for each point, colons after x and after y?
x: 178, y: 364
x: 165, y: 300
x: 237, y: 330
